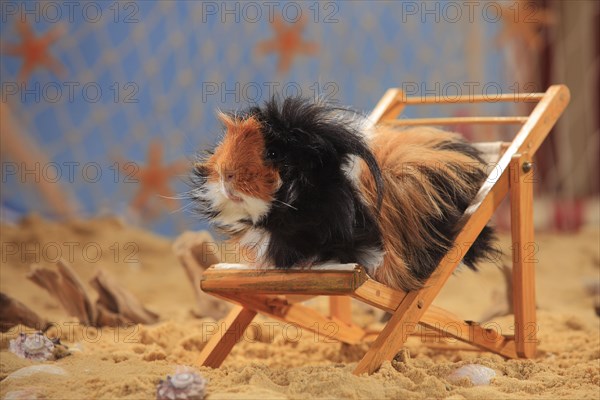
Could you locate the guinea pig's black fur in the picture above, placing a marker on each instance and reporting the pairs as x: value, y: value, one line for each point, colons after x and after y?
x: 318, y: 214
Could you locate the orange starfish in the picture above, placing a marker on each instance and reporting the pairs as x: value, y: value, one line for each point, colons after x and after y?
x: 35, y: 50
x: 287, y: 42
x: 154, y: 178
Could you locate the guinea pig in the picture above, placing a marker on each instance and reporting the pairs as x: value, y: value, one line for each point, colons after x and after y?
x: 301, y: 183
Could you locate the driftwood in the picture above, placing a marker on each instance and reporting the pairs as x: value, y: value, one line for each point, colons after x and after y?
x: 115, y: 305
x: 66, y: 287
x: 196, y: 252
x: 13, y: 312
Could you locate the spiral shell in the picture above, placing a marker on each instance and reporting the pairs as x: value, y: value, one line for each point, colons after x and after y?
x: 35, y: 347
x: 185, y: 384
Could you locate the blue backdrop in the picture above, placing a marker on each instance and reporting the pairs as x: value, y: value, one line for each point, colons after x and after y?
x: 121, y: 92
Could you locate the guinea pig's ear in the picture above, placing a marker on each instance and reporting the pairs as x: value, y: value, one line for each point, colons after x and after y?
x: 250, y: 124
x: 230, y: 122
x: 227, y: 120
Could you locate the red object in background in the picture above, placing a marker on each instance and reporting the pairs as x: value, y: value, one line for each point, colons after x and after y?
x: 568, y: 215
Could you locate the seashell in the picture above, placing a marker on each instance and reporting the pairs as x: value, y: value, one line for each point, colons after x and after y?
x: 36, y: 347
x: 185, y: 384
x: 477, y: 374
x: 36, y: 369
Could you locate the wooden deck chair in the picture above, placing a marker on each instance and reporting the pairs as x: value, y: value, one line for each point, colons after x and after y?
x: 278, y: 293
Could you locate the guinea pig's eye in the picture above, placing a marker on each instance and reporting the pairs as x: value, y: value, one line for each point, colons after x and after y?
x: 271, y: 154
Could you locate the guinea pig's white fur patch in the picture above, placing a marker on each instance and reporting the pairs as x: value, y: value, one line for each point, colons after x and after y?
x: 352, y: 170
x: 371, y: 259
x: 359, y: 123
x: 231, y: 213
x: 256, y: 208
x: 258, y: 241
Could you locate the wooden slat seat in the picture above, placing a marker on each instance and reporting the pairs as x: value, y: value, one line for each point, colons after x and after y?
x: 339, y: 279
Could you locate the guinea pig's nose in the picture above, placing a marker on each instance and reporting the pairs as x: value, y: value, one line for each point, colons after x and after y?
x: 229, y: 176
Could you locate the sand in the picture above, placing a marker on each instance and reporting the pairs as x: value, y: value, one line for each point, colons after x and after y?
x: 274, y: 361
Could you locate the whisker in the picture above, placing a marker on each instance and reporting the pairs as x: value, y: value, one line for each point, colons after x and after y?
x: 286, y: 204
x: 178, y: 197
x: 183, y: 208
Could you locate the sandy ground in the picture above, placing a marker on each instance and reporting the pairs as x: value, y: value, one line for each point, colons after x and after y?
x: 274, y: 361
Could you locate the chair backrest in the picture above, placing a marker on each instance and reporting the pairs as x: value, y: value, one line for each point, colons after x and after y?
x: 395, y: 100
x: 534, y: 127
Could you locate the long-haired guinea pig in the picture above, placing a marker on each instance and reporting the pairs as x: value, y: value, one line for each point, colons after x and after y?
x: 300, y: 183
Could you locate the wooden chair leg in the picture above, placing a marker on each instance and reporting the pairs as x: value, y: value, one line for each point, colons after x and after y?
x: 219, y: 346
x: 521, y: 203
x: 340, y: 307
x: 402, y: 323
x: 278, y: 307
